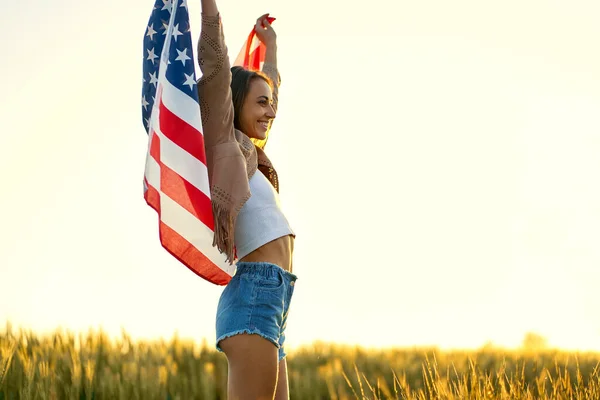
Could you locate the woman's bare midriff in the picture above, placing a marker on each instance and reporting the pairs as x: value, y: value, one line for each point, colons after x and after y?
x: 278, y: 252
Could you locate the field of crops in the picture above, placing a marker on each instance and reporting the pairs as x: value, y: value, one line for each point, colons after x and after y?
x: 67, y: 366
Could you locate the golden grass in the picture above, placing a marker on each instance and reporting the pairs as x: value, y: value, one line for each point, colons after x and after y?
x: 90, y: 366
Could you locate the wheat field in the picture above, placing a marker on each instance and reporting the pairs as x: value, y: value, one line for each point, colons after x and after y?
x: 91, y: 366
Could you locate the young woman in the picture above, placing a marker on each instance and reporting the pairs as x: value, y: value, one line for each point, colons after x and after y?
x: 238, y: 108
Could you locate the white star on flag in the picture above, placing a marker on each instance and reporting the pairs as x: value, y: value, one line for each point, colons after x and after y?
x: 151, y: 32
x: 182, y: 56
x: 144, y: 103
x: 153, y: 79
x: 176, y: 32
x: 151, y: 55
x: 189, y: 80
x: 168, y: 5
x: 184, y: 4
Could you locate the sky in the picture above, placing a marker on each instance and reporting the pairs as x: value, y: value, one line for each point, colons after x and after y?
x: 438, y: 162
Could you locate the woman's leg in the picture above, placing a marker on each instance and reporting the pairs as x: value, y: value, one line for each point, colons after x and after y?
x: 250, y: 325
x: 252, y: 367
x: 282, y: 392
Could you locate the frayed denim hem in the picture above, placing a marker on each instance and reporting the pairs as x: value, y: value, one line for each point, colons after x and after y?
x: 246, y: 331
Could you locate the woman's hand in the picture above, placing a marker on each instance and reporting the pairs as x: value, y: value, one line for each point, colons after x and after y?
x: 265, y: 32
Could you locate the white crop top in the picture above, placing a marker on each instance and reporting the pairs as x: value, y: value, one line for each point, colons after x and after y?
x: 260, y: 220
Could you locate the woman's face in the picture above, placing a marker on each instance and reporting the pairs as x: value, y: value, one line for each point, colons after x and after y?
x: 257, y: 110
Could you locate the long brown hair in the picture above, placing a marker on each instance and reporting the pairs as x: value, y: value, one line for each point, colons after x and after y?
x: 241, y: 79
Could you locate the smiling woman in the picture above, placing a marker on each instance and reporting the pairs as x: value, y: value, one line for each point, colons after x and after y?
x: 480, y: 150
x: 238, y: 106
x: 252, y: 102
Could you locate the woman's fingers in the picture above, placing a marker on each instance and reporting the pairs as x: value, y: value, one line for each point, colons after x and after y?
x: 261, y: 20
x: 267, y: 24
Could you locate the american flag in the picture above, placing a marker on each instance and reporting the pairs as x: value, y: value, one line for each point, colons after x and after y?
x: 176, y: 179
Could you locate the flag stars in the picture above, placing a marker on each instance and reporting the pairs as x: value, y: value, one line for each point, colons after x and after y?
x: 151, y: 55
x: 176, y: 32
x: 182, y: 56
x: 168, y: 4
x: 153, y: 79
x: 151, y: 32
x: 189, y: 80
x: 162, y: 34
x: 165, y: 26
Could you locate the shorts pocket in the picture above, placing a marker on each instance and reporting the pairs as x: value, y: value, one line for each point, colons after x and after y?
x: 273, y: 283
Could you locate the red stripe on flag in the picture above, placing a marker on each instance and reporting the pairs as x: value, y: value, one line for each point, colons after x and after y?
x: 181, y: 133
x: 191, y: 257
x: 256, y: 57
x: 152, y: 197
x: 186, y: 195
x: 155, y: 147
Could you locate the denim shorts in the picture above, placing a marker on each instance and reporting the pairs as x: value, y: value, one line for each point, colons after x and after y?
x: 256, y: 301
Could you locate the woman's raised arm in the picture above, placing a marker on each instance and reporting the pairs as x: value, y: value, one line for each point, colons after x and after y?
x: 214, y: 86
x: 266, y: 34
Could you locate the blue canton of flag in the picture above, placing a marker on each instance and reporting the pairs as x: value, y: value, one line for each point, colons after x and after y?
x: 168, y: 30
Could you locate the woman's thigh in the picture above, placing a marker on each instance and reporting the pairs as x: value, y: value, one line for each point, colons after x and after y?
x: 253, y: 367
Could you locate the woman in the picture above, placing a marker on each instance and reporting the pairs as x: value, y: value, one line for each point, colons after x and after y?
x: 238, y: 107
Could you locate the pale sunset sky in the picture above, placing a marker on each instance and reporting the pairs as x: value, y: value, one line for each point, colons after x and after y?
x: 438, y: 160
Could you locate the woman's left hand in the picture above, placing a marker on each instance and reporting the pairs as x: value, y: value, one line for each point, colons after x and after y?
x: 264, y: 31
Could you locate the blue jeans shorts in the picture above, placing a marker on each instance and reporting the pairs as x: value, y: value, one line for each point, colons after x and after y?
x: 256, y: 301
